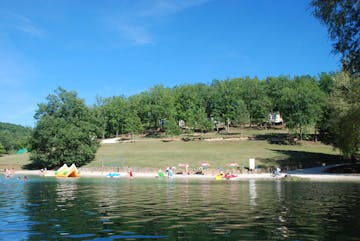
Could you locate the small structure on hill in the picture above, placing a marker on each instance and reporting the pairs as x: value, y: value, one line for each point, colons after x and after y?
x: 275, y: 118
x: 182, y: 124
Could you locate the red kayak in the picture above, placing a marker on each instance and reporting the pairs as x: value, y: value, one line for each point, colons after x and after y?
x: 229, y: 176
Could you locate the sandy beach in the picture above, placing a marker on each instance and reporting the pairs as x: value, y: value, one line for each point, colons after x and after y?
x: 311, y: 173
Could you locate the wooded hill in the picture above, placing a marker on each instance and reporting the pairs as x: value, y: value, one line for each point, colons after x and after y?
x: 13, y: 137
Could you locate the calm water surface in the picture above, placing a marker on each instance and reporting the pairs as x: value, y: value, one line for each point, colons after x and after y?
x: 161, y: 209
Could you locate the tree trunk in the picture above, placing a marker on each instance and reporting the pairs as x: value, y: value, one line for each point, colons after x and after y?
x: 228, y: 125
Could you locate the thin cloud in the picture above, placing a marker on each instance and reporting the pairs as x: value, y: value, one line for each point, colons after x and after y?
x: 24, y: 24
x: 136, y: 21
x: 165, y: 7
x: 138, y: 35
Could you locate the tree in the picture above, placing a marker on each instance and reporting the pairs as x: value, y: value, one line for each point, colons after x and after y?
x: 132, y: 122
x: 347, y: 132
x: 255, y: 99
x: 301, y: 103
x: 190, y: 106
x: 14, y: 137
x: 2, y: 149
x: 65, y: 131
x: 6, y: 141
x: 345, y: 115
x: 99, y: 113
x: 342, y: 18
x: 228, y: 106
x: 160, y: 105
x: 327, y: 82
x: 114, y: 108
x: 327, y: 85
x: 273, y: 87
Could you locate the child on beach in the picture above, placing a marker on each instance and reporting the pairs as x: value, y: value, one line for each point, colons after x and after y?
x: 170, y: 173
x: 131, y: 175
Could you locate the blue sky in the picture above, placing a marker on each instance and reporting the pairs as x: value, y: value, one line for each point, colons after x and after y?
x: 123, y: 47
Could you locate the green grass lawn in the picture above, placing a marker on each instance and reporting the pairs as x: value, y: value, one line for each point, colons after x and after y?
x: 152, y: 154
x: 158, y: 154
x: 14, y: 161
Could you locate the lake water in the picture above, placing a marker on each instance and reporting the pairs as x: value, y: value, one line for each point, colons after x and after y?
x: 179, y: 209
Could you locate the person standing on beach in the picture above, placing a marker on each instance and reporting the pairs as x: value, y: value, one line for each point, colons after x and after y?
x: 131, y: 175
x: 170, y: 173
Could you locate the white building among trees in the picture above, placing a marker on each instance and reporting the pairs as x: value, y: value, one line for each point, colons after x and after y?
x: 275, y: 118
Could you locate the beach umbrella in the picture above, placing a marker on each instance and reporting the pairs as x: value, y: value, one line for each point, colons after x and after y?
x: 183, y: 165
x: 205, y: 164
x: 232, y: 164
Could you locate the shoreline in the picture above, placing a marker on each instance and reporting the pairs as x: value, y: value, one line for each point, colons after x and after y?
x: 267, y: 176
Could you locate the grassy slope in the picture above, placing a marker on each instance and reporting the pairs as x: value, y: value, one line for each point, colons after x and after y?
x: 14, y: 161
x: 153, y: 153
x: 159, y: 154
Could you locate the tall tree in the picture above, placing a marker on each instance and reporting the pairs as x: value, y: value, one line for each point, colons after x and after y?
x: 160, y: 106
x: 114, y: 109
x: 256, y: 101
x: 99, y: 112
x: 131, y: 120
x: 327, y: 85
x: 345, y: 115
x: 342, y: 19
x: 65, y: 131
x: 228, y: 104
x: 191, y: 106
x: 2, y: 149
x: 301, y: 103
x: 273, y: 87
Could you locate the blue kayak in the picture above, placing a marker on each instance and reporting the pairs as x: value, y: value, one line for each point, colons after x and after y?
x: 113, y: 174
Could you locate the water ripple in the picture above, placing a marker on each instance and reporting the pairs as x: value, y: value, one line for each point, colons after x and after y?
x: 110, y: 209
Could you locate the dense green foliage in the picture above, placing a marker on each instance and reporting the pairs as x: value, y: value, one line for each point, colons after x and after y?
x: 341, y: 127
x: 342, y: 18
x: 66, y: 131
x: 13, y: 137
x: 341, y: 122
x: 223, y: 103
x: 301, y: 103
x: 66, y: 128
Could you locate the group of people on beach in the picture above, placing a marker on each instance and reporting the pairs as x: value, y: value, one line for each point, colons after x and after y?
x: 10, y: 173
x: 169, y: 172
x: 43, y: 171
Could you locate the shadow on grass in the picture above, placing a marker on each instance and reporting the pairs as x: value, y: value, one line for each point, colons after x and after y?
x: 282, y: 136
x: 224, y: 133
x: 277, y: 138
x: 301, y: 159
x: 154, y: 134
x: 32, y: 166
